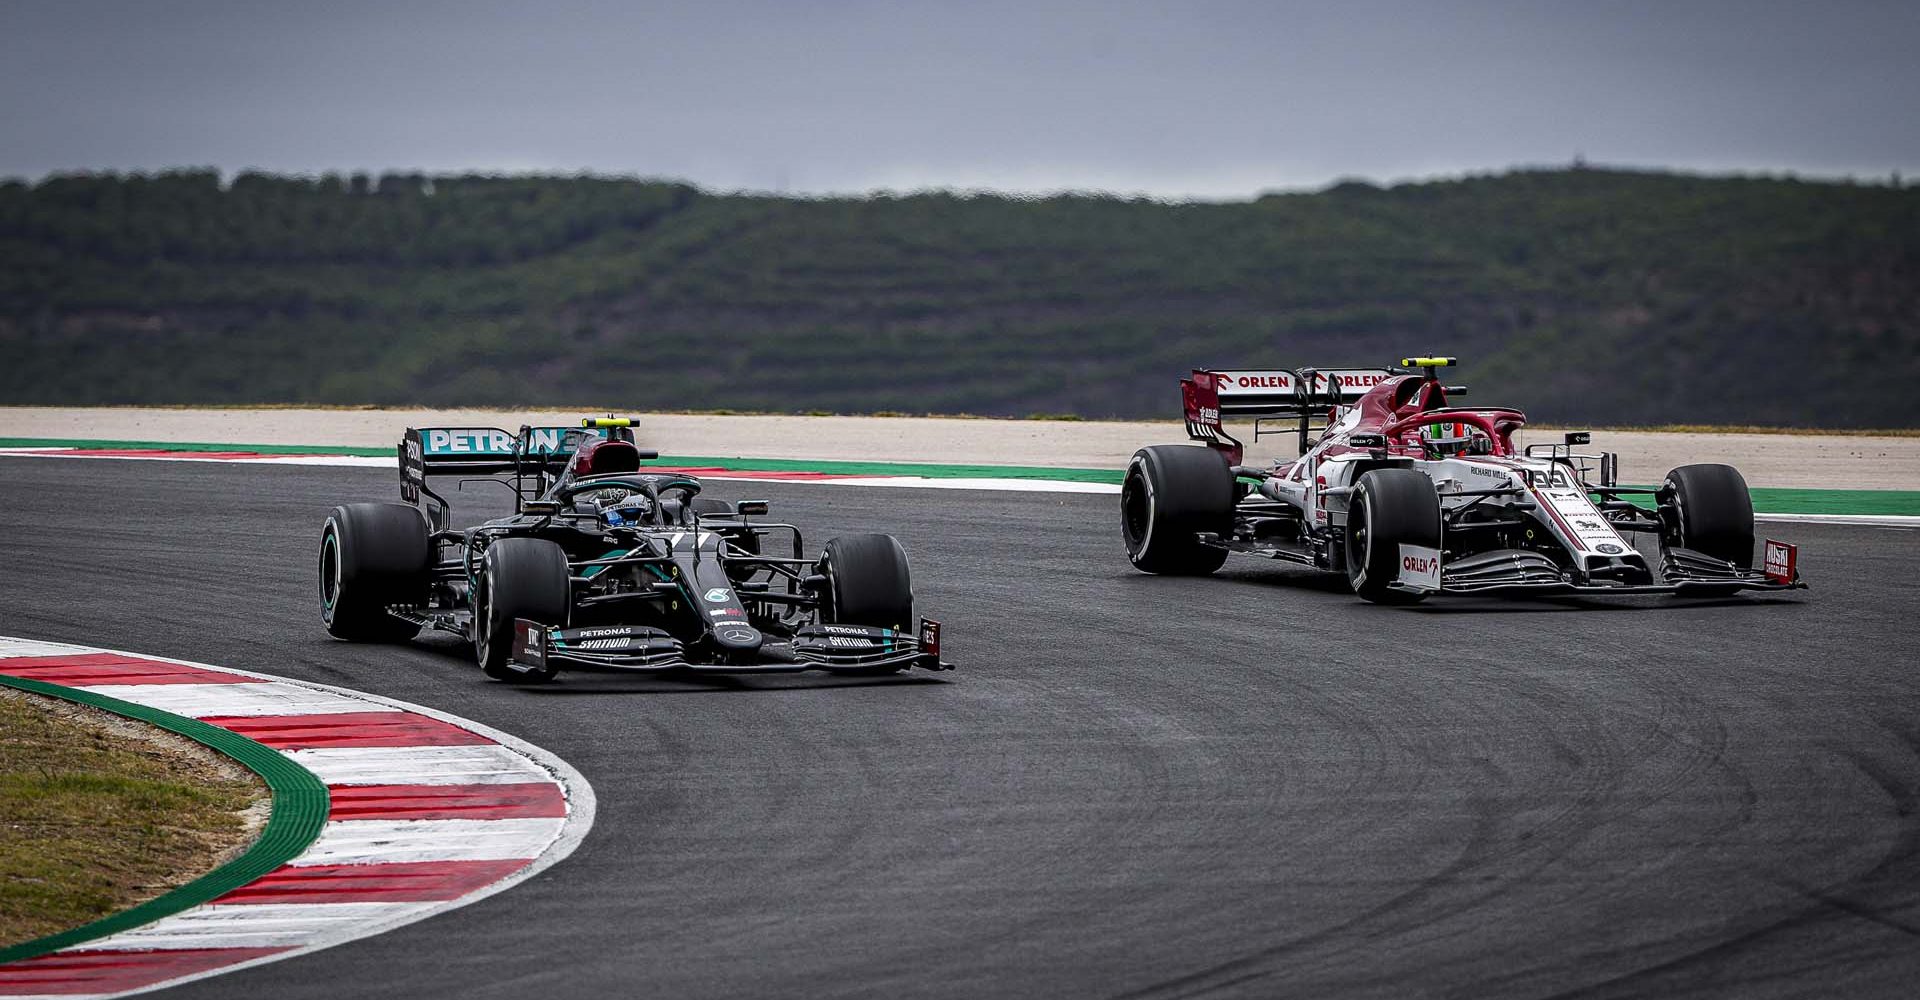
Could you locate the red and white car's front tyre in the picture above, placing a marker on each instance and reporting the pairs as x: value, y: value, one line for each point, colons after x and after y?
x: 1707, y: 508
x: 1387, y: 509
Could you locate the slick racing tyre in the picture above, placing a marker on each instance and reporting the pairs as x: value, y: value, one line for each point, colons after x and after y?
x: 372, y: 555
x: 1706, y: 508
x: 1388, y: 508
x: 867, y: 582
x: 1171, y: 493
x: 519, y: 578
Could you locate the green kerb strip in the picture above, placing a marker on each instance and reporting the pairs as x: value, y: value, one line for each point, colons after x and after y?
x: 258, y: 449
x: 928, y: 470
x: 924, y: 470
x: 1772, y: 500
x: 299, y: 811
x: 1766, y: 500
x: 1780, y: 500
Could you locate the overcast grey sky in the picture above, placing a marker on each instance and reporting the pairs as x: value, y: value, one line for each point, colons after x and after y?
x: 1202, y: 99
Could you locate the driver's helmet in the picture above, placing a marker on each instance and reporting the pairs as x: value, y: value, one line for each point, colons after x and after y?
x: 621, y: 507
x: 1447, y: 438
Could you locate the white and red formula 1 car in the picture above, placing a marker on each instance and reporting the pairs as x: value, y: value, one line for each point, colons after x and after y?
x: 1409, y: 496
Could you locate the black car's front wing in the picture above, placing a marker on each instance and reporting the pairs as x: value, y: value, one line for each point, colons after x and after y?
x: 851, y: 649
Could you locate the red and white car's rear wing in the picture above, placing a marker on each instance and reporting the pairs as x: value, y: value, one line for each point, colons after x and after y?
x: 1277, y: 392
x: 1296, y: 395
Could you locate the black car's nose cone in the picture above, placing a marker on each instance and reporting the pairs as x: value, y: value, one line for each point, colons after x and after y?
x: 737, y: 637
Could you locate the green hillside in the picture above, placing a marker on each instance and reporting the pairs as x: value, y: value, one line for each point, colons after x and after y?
x: 1580, y: 295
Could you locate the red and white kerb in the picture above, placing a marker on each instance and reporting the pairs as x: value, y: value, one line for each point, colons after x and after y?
x: 428, y: 812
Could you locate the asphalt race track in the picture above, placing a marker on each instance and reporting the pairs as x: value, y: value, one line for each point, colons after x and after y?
x: 1134, y: 787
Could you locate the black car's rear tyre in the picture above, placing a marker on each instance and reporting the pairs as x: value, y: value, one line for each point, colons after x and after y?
x: 1172, y: 492
x: 372, y: 555
x: 519, y: 578
x: 1388, y: 508
x: 867, y: 582
x: 1707, y: 508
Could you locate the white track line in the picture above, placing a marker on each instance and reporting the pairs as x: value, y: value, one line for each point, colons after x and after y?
x: 348, y: 461
x: 1873, y: 520
x: 908, y: 482
x: 738, y: 475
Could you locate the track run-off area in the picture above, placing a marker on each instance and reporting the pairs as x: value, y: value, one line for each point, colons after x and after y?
x: 1249, y: 785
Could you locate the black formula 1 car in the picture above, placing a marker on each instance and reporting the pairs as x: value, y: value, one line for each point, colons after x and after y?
x: 1409, y: 496
x: 608, y: 567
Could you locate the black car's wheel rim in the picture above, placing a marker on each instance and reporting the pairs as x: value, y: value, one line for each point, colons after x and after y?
x: 329, y: 574
x: 483, y: 620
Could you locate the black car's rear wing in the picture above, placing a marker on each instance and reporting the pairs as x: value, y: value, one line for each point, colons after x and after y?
x: 1296, y: 397
x: 532, y: 455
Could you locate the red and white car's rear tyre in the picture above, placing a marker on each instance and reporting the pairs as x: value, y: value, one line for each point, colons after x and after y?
x: 1171, y: 493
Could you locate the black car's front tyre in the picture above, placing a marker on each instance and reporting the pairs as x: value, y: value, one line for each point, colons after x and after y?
x: 867, y: 582
x: 519, y: 578
x: 372, y: 555
x: 1171, y: 493
x: 1388, y: 508
x: 1707, y: 508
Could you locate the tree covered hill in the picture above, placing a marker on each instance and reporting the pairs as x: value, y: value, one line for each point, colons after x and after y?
x: 1579, y: 295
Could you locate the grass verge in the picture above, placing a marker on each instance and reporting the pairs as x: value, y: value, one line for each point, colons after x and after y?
x: 99, y: 813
